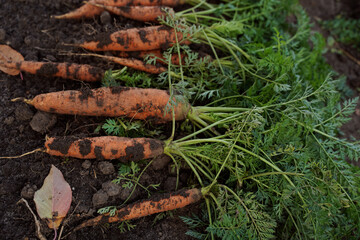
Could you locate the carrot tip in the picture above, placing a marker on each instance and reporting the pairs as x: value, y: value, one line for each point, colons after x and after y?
x: 18, y: 99
x: 28, y: 101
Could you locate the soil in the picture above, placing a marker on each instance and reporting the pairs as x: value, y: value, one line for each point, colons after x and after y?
x: 26, y: 26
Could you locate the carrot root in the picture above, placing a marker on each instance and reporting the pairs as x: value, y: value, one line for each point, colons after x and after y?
x: 145, y: 104
x: 85, y: 11
x: 139, y: 13
x: 105, y: 147
x: 132, y: 63
x: 136, y: 39
x: 143, y: 208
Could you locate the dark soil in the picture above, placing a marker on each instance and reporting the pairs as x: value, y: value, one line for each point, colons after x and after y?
x: 26, y: 26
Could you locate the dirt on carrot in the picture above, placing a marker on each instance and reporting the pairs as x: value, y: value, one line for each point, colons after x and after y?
x: 90, y: 9
x: 157, y: 204
x: 146, y: 104
x: 135, y: 39
x: 139, y: 13
x: 106, y: 147
x: 12, y: 63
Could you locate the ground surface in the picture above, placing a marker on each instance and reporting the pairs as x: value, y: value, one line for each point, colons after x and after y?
x: 26, y: 26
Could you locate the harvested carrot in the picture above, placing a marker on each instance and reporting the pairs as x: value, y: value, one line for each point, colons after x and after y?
x: 106, y: 147
x: 138, y: 103
x: 157, y: 204
x: 132, y: 63
x: 11, y: 62
x: 139, y: 13
x: 121, y: 3
x: 85, y: 11
x: 89, y: 10
x: 7, y: 56
x: 136, y: 39
x: 152, y: 54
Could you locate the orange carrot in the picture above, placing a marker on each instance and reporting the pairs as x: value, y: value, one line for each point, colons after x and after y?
x: 132, y: 63
x: 138, y: 103
x: 136, y: 39
x: 12, y: 62
x: 157, y: 204
x: 151, y: 53
x: 88, y: 10
x: 106, y: 147
x: 85, y: 11
x: 139, y: 13
x: 73, y: 71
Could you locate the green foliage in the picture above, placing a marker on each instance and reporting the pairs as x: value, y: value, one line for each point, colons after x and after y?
x: 125, y: 78
x: 345, y: 30
x: 275, y: 162
x: 124, y: 128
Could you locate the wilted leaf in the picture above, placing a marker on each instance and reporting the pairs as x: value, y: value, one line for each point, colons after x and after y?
x: 53, y: 199
x: 7, y: 54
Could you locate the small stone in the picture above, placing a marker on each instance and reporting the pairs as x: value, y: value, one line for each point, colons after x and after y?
x: 21, y: 128
x: 106, y: 168
x: 2, y: 35
x: 31, y: 56
x: 125, y: 193
x: 112, y: 189
x: 84, y: 172
x: 23, y: 113
x: 170, y: 184
x: 99, y: 198
x: 160, y: 162
x: 51, y: 58
x: 9, y: 120
x: 28, y: 191
x: 31, y: 41
x: 86, y: 164
x: 43, y: 121
x: 105, y: 17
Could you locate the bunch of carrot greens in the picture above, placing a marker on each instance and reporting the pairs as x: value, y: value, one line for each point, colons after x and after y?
x: 276, y: 166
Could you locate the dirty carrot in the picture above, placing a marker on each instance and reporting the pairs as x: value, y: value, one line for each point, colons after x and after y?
x: 105, y: 147
x: 132, y: 63
x: 12, y: 62
x: 135, y: 39
x: 83, y: 72
x: 137, y: 103
x: 157, y: 204
x: 151, y: 54
x: 89, y: 10
x: 139, y: 13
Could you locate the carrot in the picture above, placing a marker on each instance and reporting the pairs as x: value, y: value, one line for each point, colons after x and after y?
x: 139, y: 13
x: 11, y: 62
x: 106, y: 147
x: 151, y: 53
x: 135, y: 39
x: 157, y: 204
x: 85, y: 11
x: 88, y: 10
x: 132, y: 63
x: 138, y: 103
